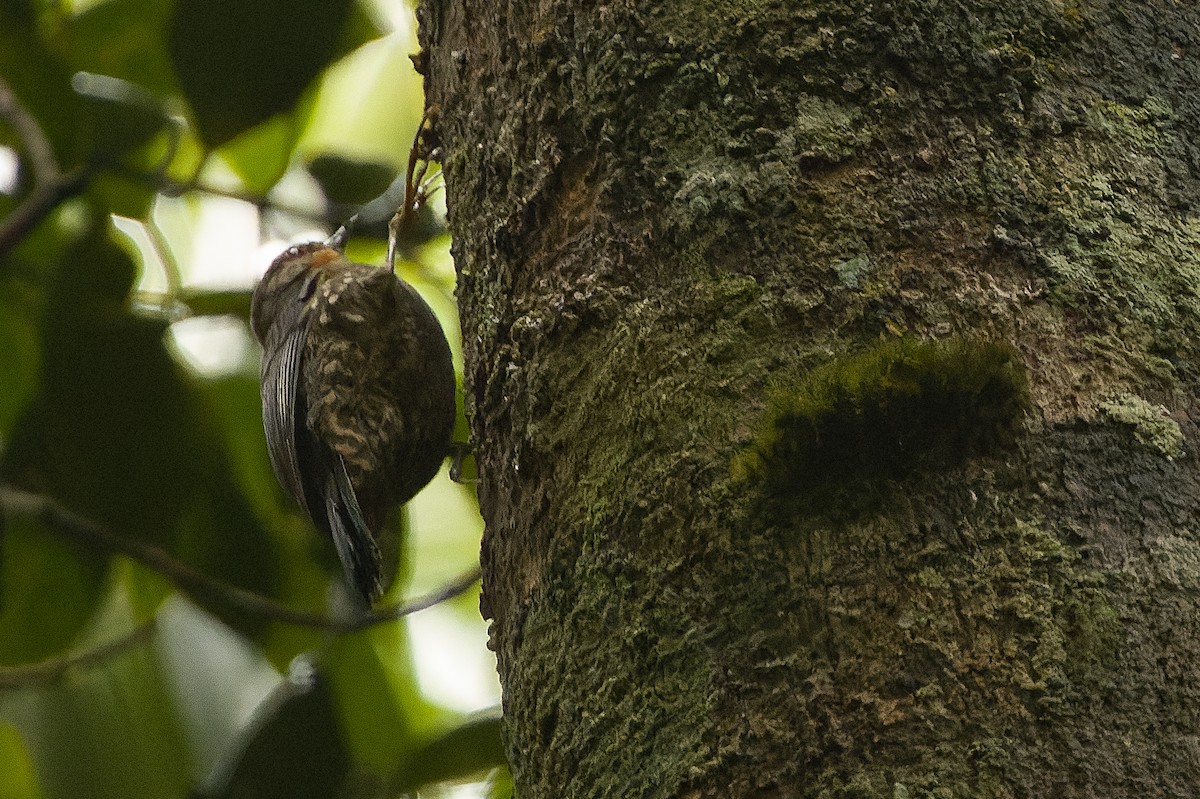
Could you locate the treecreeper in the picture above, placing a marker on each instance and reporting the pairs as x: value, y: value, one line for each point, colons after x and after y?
x: 358, y: 398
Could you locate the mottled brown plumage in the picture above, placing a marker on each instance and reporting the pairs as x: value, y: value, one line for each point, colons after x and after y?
x: 358, y: 398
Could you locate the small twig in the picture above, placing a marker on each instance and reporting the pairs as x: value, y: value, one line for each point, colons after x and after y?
x: 169, y: 187
x: 37, y: 146
x: 50, y: 186
x: 414, y: 190
x: 202, y: 587
x: 53, y: 669
x: 447, y: 591
x: 166, y: 256
x: 418, y: 163
x: 38, y: 205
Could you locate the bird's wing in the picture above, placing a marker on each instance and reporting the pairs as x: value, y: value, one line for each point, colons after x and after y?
x: 314, y: 475
x: 280, y: 398
x: 355, y: 545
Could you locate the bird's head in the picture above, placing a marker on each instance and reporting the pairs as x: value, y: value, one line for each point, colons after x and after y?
x: 291, y: 278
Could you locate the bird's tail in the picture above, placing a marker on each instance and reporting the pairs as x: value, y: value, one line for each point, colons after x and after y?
x: 352, y: 538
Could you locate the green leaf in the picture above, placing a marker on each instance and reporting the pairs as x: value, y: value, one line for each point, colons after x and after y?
x: 220, y: 535
x: 237, y: 412
x: 293, y: 748
x: 20, y: 351
x: 113, y: 432
x: 40, y: 80
x: 470, y: 750
x: 360, y: 28
x: 346, y: 181
x: 123, y: 39
x: 18, y: 780
x: 278, y: 562
x: 108, y: 729
x: 376, y: 691
x: 47, y: 592
x: 501, y: 784
x: 119, y: 116
x: 262, y: 154
x: 242, y: 63
x: 121, y: 436
x: 119, y: 195
x: 217, y: 677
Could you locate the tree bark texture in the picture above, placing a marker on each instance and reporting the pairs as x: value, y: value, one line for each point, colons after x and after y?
x: 738, y: 542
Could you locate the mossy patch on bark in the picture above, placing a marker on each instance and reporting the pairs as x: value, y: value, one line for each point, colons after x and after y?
x: 1151, y: 425
x: 902, y: 406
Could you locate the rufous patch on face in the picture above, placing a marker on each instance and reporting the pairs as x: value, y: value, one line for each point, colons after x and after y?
x: 324, y: 256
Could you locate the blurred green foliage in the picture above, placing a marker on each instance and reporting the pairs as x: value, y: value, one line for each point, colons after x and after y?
x: 104, y: 414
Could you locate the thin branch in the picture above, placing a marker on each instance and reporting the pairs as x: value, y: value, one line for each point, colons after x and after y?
x: 414, y: 187
x: 50, y: 186
x: 447, y: 591
x: 166, y: 256
x: 203, y: 587
x: 38, y: 205
x: 53, y: 669
x: 170, y: 187
x: 37, y: 146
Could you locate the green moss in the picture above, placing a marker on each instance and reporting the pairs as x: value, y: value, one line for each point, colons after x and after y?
x: 1093, y: 634
x: 1144, y: 127
x: 825, y: 130
x: 901, y: 406
x: 1151, y: 424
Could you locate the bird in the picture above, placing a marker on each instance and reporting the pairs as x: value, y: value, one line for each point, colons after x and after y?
x: 358, y: 398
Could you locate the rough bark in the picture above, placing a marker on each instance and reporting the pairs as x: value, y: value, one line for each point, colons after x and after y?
x: 687, y: 230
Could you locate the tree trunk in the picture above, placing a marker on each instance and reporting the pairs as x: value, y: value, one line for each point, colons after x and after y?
x: 748, y: 532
